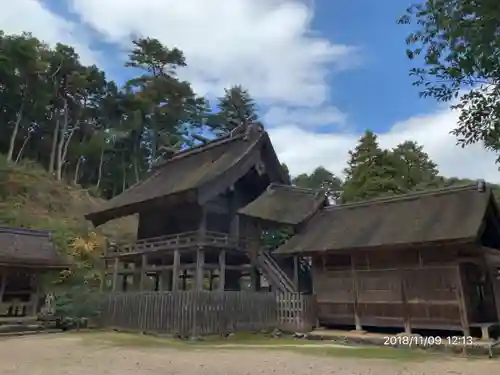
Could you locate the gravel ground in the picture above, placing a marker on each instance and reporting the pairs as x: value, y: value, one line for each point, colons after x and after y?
x: 69, y: 355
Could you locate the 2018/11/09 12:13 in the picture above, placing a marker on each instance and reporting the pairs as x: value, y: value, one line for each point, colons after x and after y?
x: 427, y: 341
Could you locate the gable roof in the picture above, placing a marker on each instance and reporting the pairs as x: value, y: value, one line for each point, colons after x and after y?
x: 28, y: 247
x: 227, y: 158
x: 285, y: 204
x: 451, y: 214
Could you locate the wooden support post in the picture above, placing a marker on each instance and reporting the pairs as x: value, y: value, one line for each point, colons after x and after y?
x: 406, y: 306
x: 175, y: 271
x: 34, y: 298
x: 103, y: 276
x: 495, y: 286
x: 296, y: 272
x: 144, y: 265
x: 254, y: 279
x: 4, y: 283
x: 200, y: 274
x: 357, y: 320
x: 115, y: 274
x: 165, y: 281
x: 222, y: 271
x: 464, y: 319
x: 210, y: 280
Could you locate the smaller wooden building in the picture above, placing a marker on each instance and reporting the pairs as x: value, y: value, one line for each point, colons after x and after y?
x: 25, y: 255
x: 426, y: 260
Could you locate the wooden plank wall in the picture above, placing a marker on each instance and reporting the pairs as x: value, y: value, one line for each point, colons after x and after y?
x: 392, y: 289
x: 189, y: 313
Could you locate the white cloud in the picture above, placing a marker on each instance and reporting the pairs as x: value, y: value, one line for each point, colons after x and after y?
x: 305, y: 117
x: 304, y: 150
x: 264, y: 45
x: 31, y: 16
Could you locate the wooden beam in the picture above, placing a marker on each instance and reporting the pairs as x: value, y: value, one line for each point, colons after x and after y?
x: 222, y: 271
x: 200, y: 275
x: 464, y: 319
x: 357, y: 320
x: 406, y: 306
x: 36, y: 295
x: 296, y: 271
x: 175, y: 270
x: 144, y: 264
x: 4, y: 283
x: 115, y: 274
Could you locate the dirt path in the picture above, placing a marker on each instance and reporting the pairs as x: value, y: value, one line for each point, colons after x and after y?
x: 69, y: 355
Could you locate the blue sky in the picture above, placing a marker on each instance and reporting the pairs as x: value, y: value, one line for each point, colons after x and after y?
x: 379, y: 92
x: 322, y: 71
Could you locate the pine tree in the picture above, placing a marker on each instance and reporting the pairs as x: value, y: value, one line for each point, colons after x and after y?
x: 415, y: 168
x: 371, y: 171
x: 236, y: 107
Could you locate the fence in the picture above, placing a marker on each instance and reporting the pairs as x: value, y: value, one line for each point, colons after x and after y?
x: 204, y: 313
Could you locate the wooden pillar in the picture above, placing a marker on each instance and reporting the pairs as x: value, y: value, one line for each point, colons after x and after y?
x: 115, y: 274
x: 165, y: 281
x: 464, y: 319
x: 222, y: 271
x: 406, y: 306
x: 103, y: 276
x: 35, y: 296
x: 144, y: 264
x: 255, y: 278
x: 175, y: 270
x: 4, y: 283
x: 357, y: 320
x: 200, y: 274
x: 234, y: 226
x: 296, y: 272
x: 210, y: 279
x: 495, y: 286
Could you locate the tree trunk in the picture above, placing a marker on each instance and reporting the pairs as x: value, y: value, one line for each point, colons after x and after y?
x: 55, y: 135
x: 135, y: 165
x: 13, y: 136
x: 101, y: 161
x: 77, y: 170
x: 66, y: 143
x: 60, y: 144
x: 21, y: 150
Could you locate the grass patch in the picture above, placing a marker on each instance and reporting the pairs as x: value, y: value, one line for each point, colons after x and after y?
x: 250, y: 341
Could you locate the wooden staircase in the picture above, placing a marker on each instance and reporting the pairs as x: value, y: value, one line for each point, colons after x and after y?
x: 278, y: 278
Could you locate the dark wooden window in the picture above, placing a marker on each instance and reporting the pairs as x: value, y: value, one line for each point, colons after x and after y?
x: 337, y: 261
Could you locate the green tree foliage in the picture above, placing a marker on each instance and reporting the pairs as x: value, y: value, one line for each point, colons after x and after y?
x: 457, y: 42
x: 371, y: 172
x: 236, y: 107
x: 86, y: 129
x: 320, y: 178
x: 415, y: 169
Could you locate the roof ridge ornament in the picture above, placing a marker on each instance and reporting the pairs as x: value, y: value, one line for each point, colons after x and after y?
x: 481, y: 185
x: 253, y: 129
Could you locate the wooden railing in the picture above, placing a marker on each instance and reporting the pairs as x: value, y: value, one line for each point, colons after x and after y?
x: 179, y: 241
x: 16, y: 309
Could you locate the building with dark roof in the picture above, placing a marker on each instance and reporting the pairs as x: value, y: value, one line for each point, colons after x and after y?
x: 188, y: 222
x: 25, y: 255
x: 426, y: 260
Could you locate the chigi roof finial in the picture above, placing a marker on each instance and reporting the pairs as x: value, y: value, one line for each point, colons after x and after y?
x: 481, y: 185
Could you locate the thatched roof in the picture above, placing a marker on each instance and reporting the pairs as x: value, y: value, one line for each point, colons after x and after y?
x: 192, y: 172
x: 445, y: 215
x: 28, y: 247
x: 285, y: 204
